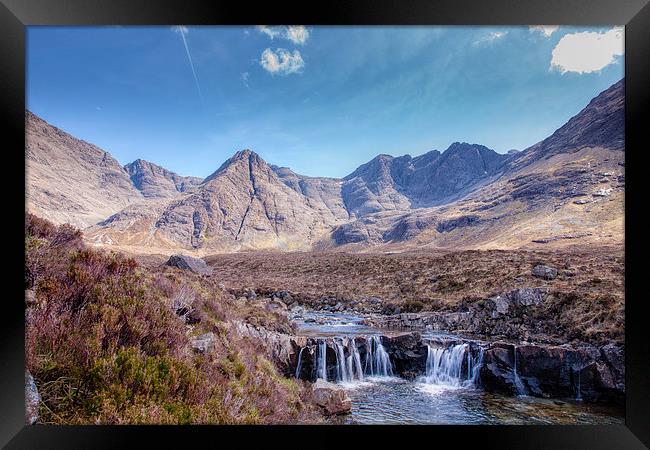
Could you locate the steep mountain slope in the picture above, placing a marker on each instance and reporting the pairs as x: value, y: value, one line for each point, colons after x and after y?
x: 70, y: 180
x: 399, y: 184
x: 321, y: 191
x: 566, y: 189
x: 156, y: 181
x: 244, y: 205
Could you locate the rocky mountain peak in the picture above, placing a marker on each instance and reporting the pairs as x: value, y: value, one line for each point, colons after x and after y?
x: 153, y: 180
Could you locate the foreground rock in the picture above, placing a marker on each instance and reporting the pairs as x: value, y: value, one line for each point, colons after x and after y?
x: 332, y: 398
x: 544, y: 272
x: 185, y: 262
x: 32, y: 400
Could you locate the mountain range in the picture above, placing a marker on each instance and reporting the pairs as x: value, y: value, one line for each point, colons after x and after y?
x: 566, y: 189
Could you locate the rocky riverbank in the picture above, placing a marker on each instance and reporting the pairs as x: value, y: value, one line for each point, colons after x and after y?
x: 588, y: 373
x: 525, y: 348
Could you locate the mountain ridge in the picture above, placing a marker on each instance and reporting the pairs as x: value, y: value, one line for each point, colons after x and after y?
x: 248, y: 204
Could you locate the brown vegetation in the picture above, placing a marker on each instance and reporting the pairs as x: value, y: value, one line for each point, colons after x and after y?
x: 108, y: 342
x: 588, y: 291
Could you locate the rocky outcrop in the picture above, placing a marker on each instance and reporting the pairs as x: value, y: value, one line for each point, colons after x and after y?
x: 331, y: 398
x: 32, y: 400
x: 282, y: 348
x: 589, y: 373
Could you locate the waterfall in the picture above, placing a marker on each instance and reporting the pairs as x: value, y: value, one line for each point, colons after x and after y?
x: 342, y: 373
x: 299, y: 365
x: 355, y: 359
x: 321, y: 368
x: 519, y: 385
x: 444, y: 366
x: 578, y: 392
x: 377, y: 359
x: 348, y: 368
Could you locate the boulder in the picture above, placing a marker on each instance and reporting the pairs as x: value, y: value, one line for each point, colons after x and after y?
x: 203, y: 343
x: 32, y: 400
x: 185, y: 262
x: 529, y: 296
x: 544, y: 272
x: 332, y: 398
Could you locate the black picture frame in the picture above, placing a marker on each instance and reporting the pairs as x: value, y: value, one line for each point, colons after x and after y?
x: 15, y: 15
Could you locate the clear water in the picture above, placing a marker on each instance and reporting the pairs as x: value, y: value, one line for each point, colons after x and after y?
x: 437, y: 398
x: 397, y: 401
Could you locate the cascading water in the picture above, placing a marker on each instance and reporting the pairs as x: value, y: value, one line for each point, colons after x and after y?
x: 519, y: 385
x: 321, y: 367
x: 341, y: 365
x: 377, y: 359
x: 299, y: 365
x: 444, y: 366
x: 577, y: 384
x: 354, y: 360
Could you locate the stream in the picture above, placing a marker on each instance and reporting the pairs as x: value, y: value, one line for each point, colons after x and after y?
x: 448, y: 392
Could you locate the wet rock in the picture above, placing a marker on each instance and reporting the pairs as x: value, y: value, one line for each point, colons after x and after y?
x: 332, y: 398
x: 545, y: 272
x: 185, y: 262
x: 32, y: 400
x: 408, y: 354
x: 203, y: 343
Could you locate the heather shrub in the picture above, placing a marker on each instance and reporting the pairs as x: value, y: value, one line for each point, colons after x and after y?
x: 108, y: 342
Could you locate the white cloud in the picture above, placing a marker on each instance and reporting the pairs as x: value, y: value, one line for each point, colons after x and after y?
x: 587, y: 51
x: 244, y: 78
x: 491, y: 37
x: 297, y: 34
x: 281, y: 61
x: 546, y: 30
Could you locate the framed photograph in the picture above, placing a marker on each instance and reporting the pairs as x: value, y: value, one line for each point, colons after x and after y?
x: 285, y: 221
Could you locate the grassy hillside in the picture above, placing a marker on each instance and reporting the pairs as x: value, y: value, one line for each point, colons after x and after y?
x: 108, y: 342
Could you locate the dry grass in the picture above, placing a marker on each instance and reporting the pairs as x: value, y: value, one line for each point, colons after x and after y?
x: 412, y: 276
x: 588, y: 291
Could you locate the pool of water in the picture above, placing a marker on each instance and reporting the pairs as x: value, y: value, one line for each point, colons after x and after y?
x: 398, y: 401
x: 392, y: 400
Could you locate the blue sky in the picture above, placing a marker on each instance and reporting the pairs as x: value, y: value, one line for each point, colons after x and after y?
x: 321, y: 100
